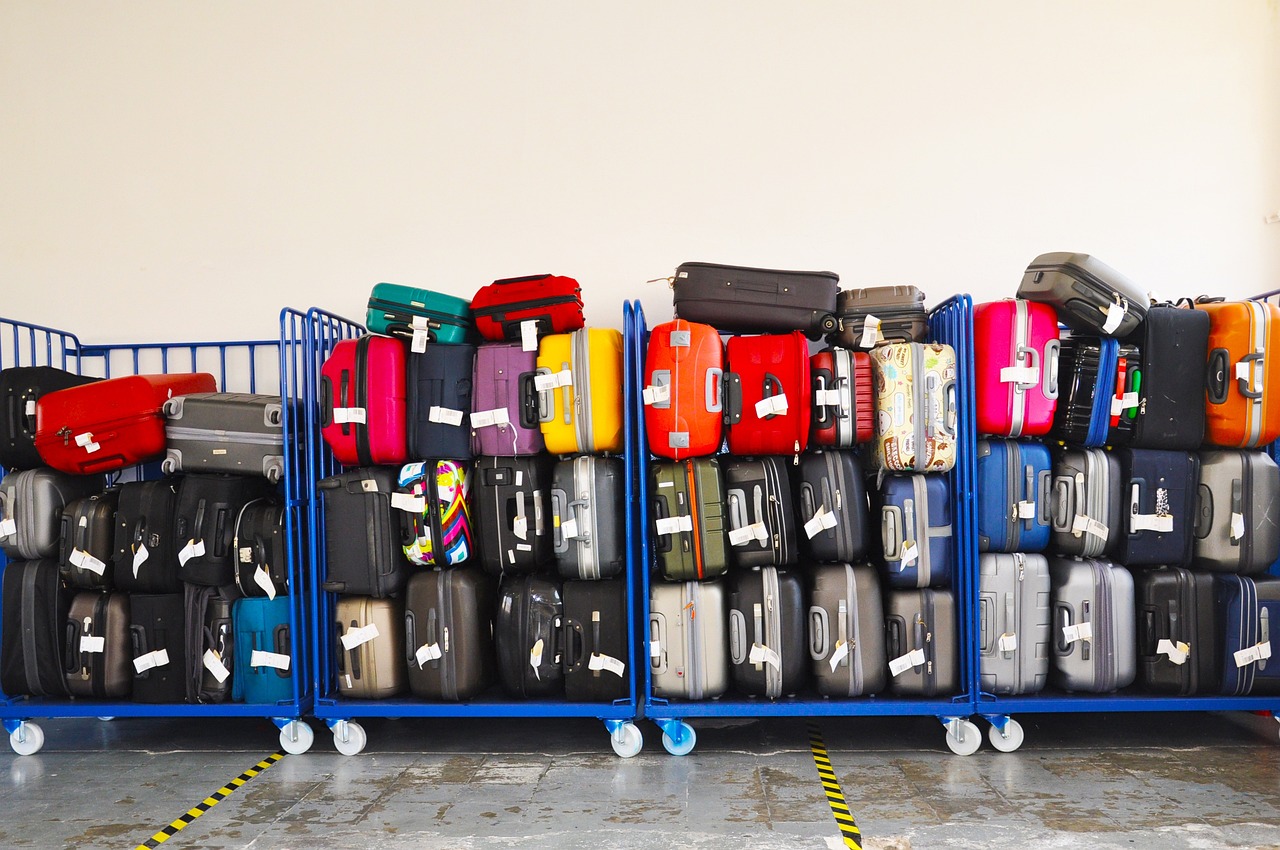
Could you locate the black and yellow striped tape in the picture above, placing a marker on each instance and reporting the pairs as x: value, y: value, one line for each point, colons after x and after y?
x: 207, y: 803
x: 831, y: 787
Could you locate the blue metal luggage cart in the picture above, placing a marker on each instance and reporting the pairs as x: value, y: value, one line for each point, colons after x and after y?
x: 266, y: 366
x: 952, y: 323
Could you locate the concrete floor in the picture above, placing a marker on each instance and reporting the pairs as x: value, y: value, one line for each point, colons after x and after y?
x: 1115, y: 781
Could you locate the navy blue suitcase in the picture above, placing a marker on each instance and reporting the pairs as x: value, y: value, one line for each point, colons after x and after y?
x: 1246, y: 608
x: 1014, y: 480
x: 439, y: 420
x: 916, y: 531
x: 1158, y: 507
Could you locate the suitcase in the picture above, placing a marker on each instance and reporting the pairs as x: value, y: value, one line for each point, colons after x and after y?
x: 768, y: 394
x: 261, y: 550
x: 505, y: 418
x: 20, y: 388
x: 236, y: 433
x: 1089, y: 295
x: 688, y: 645
x: 1015, y: 368
x: 595, y: 641
x: 684, y: 387
x: 448, y: 623
x: 107, y: 425
x: 1013, y: 492
x: 263, y: 672
x: 1086, y: 507
x: 211, y: 652
x: 833, y: 507
x: 98, y: 662
x: 362, y: 536
x: 146, y: 551
x: 1171, y: 401
x: 1014, y: 619
x: 440, y: 391
x: 749, y: 300
x: 895, y: 313
x: 846, y: 630
x: 1243, y: 410
x: 1098, y: 385
x: 33, y: 643
x: 552, y: 303
x: 1177, y: 606
x: 510, y: 514
x: 87, y: 541
x: 916, y: 531
x: 1237, y: 519
x: 579, y: 384
x: 1094, y: 633
x: 915, y: 389
x: 1159, y: 490
x: 158, y: 639
x: 843, y: 403
x: 767, y: 632
x: 418, y: 315
x: 1246, y: 608
x: 588, y: 502
x: 369, y: 647
x: 435, y: 523
x: 689, y: 534
x: 762, y: 521
x: 204, y: 525
x: 920, y: 642
x: 527, y: 634
x: 363, y: 406
x: 31, y: 505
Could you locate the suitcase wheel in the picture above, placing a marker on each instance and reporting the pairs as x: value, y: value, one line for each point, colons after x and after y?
x: 27, y: 739
x: 829, y: 323
x: 1006, y: 739
x: 296, y: 737
x: 349, y: 737
x: 963, y: 736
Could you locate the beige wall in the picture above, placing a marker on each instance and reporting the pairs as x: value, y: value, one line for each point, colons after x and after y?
x: 183, y: 169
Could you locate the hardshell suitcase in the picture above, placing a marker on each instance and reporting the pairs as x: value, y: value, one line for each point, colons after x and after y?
x: 915, y: 389
x: 1087, y: 514
x: 843, y: 402
x: 528, y: 635
x: 1243, y: 409
x: 1179, y: 635
x: 921, y: 643
x: 33, y: 645
x: 1098, y: 383
x: 684, y: 387
x: 596, y: 653
x: 1159, y: 489
x: 750, y: 300
x: 505, y: 418
x: 689, y: 522
x: 260, y: 549
x: 688, y: 646
x: 87, y: 541
x: 588, y: 505
x: 834, y: 514
x: 204, y: 525
x: 762, y: 521
x: 419, y: 315
x: 916, y: 531
x: 551, y: 304
x: 448, y: 621
x: 846, y: 630
x: 31, y: 505
x: 1014, y: 619
x: 1170, y: 412
x: 210, y: 647
x: 98, y: 662
x: 362, y: 534
x: 146, y: 550
x: 440, y: 401
x: 20, y: 388
x: 108, y: 425
x: 1237, y: 519
x: 236, y: 433
x: 870, y: 316
x: 1014, y: 503
x: 435, y: 521
x: 1089, y: 295
x: 1246, y: 608
x: 768, y: 394
x: 511, y: 513
x: 369, y: 647
x: 579, y: 383
x: 263, y: 672
x: 1015, y: 367
x: 158, y: 635
x: 363, y: 405
x: 767, y: 632
x: 1094, y: 634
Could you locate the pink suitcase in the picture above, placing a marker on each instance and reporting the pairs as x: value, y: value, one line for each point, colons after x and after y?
x: 1015, y: 367
x: 362, y: 401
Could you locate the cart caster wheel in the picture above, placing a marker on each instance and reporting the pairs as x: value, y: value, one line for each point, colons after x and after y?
x: 352, y: 743
x: 27, y: 739
x: 107, y: 718
x: 963, y: 737
x: 687, y: 741
x: 627, y: 741
x: 296, y: 737
x: 1008, y: 739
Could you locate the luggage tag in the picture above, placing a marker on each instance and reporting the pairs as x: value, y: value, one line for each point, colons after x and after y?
x: 93, y: 643
x: 427, y: 652
x: 1114, y: 313
x: 1023, y: 376
x: 903, y: 663
x: 761, y: 654
x: 535, y: 659
x: 657, y: 394
x: 445, y: 415
x: 655, y: 649
x: 262, y: 579
x: 1026, y: 510
x: 31, y: 407
x: 261, y: 658
x: 520, y: 527
x: 1159, y: 523
x: 1077, y: 631
x: 599, y: 662
x: 529, y: 335
x: 347, y: 415
x: 358, y: 636
x: 193, y: 549
x: 1008, y: 642
x: 85, y: 441
x: 408, y: 503
x: 840, y: 654
x: 569, y: 528
x: 545, y: 382
x: 421, y: 335
x: 1120, y: 404
x: 1177, y: 652
x: 742, y: 536
x: 910, y: 553
x: 673, y: 525
x: 870, y: 332
x: 1088, y: 525
x: 140, y: 556
x: 820, y: 522
x: 8, y: 527
x: 837, y: 398
x: 1252, y: 654
x: 1237, y: 527
x: 83, y: 560
x: 150, y: 660
x: 774, y: 405
x: 213, y: 663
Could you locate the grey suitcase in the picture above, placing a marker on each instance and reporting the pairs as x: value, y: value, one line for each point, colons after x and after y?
x: 767, y: 632
x: 688, y: 646
x: 1237, y: 525
x: 762, y: 522
x: 1086, y: 506
x: 1014, y: 619
x: 236, y: 433
x: 1094, y: 633
x: 846, y: 630
x: 899, y: 309
x: 31, y: 504
x: 1089, y: 295
x: 921, y: 642
x: 588, y: 497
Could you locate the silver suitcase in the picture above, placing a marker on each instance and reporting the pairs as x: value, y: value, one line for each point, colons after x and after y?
x: 921, y: 643
x: 1014, y: 618
x: 846, y: 630
x: 236, y: 433
x: 1086, y: 504
x: 1237, y: 512
x: 1094, y: 634
x: 688, y: 640
x: 31, y: 504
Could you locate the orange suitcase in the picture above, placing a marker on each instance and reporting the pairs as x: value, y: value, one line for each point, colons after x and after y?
x: 683, y: 374
x: 1243, y: 381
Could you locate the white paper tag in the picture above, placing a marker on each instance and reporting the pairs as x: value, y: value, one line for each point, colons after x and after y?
x: 193, y: 549
x: 143, y: 663
x: 344, y: 415
x: 263, y: 580
x: 139, y: 558
x: 544, y: 383
x: 84, y: 439
x: 408, y: 503
x: 213, y: 663
x: 535, y: 658
x: 829, y: 398
x: 357, y: 636
x: 1244, y: 369
x: 870, y: 332
x: 564, y: 378
x: 1237, y: 526
x: 489, y: 418
x: 1023, y: 375
x: 741, y: 536
x: 606, y: 662
x: 1077, y: 631
x: 520, y: 527
x: 444, y: 415
x: 1088, y: 525
x: 1119, y: 404
x: 85, y: 561
x: 529, y: 335
x: 1115, y: 315
x: 1177, y: 652
x: 761, y: 654
x: 655, y: 649
x: 259, y: 658
x: 83, y: 523
x: 657, y: 394
x: 910, y: 553
x: 820, y: 522
x: 673, y: 525
x: 1250, y: 654
x: 569, y: 528
x: 1152, y: 522
x: 419, y: 323
x: 427, y: 652
x: 90, y: 448
x: 1008, y: 642
x: 774, y: 405
x: 1026, y: 510
x: 93, y: 643
x: 8, y: 527
x: 421, y: 336
x: 840, y: 653
x: 903, y: 663
x: 31, y: 407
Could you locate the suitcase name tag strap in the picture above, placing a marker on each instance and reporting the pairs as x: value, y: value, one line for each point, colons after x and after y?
x: 599, y: 662
x: 761, y: 655
x: 193, y: 549
x: 355, y: 637
x: 1176, y: 652
x: 274, y: 660
x: 903, y: 663
x: 1114, y: 313
x: 840, y: 653
x: 151, y: 660
x: 1255, y: 654
x: 92, y: 643
x: 871, y: 334
x: 83, y: 560
x: 821, y: 521
x: 212, y: 662
x: 1077, y: 631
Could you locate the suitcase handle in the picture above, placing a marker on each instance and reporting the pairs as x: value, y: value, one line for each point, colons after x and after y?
x: 713, y: 390
x: 663, y: 543
x: 819, y: 410
x: 807, y: 507
x: 658, y: 635
x: 340, y: 657
x: 1045, y: 485
x: 737, y: 637
x: 1063, y: 616
x: 1217, y: 380
x: 326, y: 402
x: 71, y: 661
x: 770, y: 387
x: 1246, y: 384
x: 507, y: 281
x: 281, y: 635
x: 1062, y: 507
x: 732, y: 392
x: 575, y: 644
x: 558, y: 511
x: 894, y: 632
x: 1147, y: 636
x: 410, y: 638
x: 138, y: 640
x: 986, y: 624
x: 530, y: 402
x: 1049, y: 386
x: 891, y: 532
x: 819, y: 633
x: 1204, y: 511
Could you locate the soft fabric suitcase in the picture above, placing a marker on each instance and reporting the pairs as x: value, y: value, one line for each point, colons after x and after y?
x: 751, y: 300
x: 363, y: 555
x: 435, y: 520
x: 31, y: 505
x: 688, y: 642
x: 236, y: 433
x: 419, y: 315
x: 1243, y: 409
x: 158, y: 634
x: 99, y: 662
x: 1087, y: 512
x: 448, y: 622
x: 834, y: 516
x: 596, y: 654
x: 1170, y: 411
x: 146, y: 550
x: 511, y: 514
x: 1098, y: 383
x: 579, y: 383
x: 921, y: 643
x: 1094, y: 634
x: 369, y: 647
x: 588, y: 517
x: 1237, y: 519
x: 1159, y: 490
x: 505, y: 418
x: 1246, y: 608
x: 363, y: 404
x: 439, y: 401
x: 1179, y: 636
x: 846, y: 630
x: 204, y: 525
x: 916, y: 531
x: 877, y: 314
x: 1013, y: 493
x: 551, y: 303
x: 683, y: 390
x: 762, y: 521
x: 1015, y: 367
x: 915, y: 389
x: 689, y: 519
x: 768, y: 394
x: 261, y: 550
x: 211, y: 652
x: 108, y: 425
x: 767, y: 632
x: 263, y: 672
x: 528, y: 635
x: 843, y: 402
x: 87, y: 541
x: 33, y: 645
x: 1089, y: 295
x: 20, y: 388
x: 1014, y: 619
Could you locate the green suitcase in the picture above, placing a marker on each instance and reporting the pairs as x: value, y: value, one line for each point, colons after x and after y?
x: 690, y: 543
x: 397, y: 310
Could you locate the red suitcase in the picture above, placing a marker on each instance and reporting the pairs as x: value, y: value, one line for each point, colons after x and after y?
x: 1015, y: 367
x: 844, y: 411
x: 362, y: 401
x: 683, y: 379
x: 108, y: 425
x: 552, y: 302
x: 768, y: 394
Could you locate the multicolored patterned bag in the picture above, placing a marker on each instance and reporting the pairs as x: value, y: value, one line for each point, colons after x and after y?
x: 915, y: 390
x: 435, y: 525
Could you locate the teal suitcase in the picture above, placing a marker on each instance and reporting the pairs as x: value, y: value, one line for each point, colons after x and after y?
x: 263, y: 669
x: 397, y: 310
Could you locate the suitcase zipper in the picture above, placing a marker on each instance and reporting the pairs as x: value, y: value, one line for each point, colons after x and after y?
x: 448, y: 658
x: 844, y: 534
x: 581, y: 371
x: 1018, y: 401
x: 1012, y: 466
x: 1019, y: 611
x: 924, y: 563
x: 926, y: 643
x: 845, y: 420
x: 364, y: 452
x: 208, y: 435
x: 1246, y: 509
x: 920, y: 412
x: 772, y: 631
x: 30, y: 612
x: 584, y: 476
x: 857, y: 679
x: 693, y: 639
x: 394, y: 312
x: 1258, y: 318
x: 514, y: 306
x: 98, y: 660
x: 695, y: 533
x: 773, y: 486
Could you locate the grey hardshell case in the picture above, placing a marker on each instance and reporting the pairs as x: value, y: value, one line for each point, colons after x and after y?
x: 1086, y: 486
x: 688, y: 640
x: 236, y: 433
x: 923, y: 619
x: 1242, y: 488
x: 1101, y: 594
x: 846, y: 610
x: 34, y: 500
x: 1014, y: 619
x: 1083, y: 289
x: 590, y: 492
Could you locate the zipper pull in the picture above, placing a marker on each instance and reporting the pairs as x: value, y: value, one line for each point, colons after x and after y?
x: 65, y: 433
x: 795, y: 461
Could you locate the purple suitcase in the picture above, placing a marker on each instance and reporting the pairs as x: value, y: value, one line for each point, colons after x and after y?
x: 503, y: 382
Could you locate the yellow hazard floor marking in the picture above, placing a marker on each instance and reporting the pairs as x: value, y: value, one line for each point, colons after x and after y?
x: 208, y: 803
x: 831, y: 787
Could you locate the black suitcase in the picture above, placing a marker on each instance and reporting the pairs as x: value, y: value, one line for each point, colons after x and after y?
x: 87, y: 541
x: 145, y: 558
x: 34, y: 640
x: 750, y: 300
x: 1096, y: 409
x: 440, y: 402
x: 448, y: 621
x: 595, y: 641
x: 20, y: 389
x: 527, y: 635
x: 1158, y: 507
x: 205, y: 525
x: 768, y: 649
x: 834, y: 511
x: 1171, y: 397
x: 261, y: 550
x: 511, y: 513
x: 99, y: 661
x: 210, y: 645
x: 362, y: 535
x: 762, y: 521
x: 161, y: 669
x: 588, y: 517
x: 1179, y: 635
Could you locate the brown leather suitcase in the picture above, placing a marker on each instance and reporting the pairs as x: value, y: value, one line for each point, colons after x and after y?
x: 99, y: 652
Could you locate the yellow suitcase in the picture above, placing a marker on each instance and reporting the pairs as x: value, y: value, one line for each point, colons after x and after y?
x: 579, y: 383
